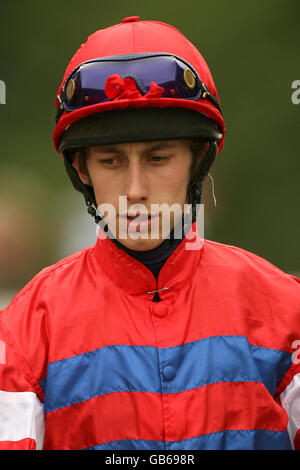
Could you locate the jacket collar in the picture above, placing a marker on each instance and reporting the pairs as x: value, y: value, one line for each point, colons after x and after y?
x: 133, y: 277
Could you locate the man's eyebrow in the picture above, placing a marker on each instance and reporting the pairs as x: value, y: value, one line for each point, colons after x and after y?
x: 110, y: 149
x: 159, y: 146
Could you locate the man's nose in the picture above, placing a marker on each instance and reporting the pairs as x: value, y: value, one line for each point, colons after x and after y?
x: 136, y: 185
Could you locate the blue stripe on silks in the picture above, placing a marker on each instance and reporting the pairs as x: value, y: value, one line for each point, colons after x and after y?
x: 272, y: 365
x: 130, y: 444
x: 105, y: 370
x: 223, y: 359
x: 120, y: 368
x: 223, y: 440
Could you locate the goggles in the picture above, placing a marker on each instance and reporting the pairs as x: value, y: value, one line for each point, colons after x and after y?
x: 86, y: 84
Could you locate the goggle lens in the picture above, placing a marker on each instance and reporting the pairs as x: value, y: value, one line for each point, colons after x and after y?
x: 86, y: 84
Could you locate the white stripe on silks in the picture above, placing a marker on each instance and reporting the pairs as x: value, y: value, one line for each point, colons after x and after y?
x: 290, y: 400
x: 21, y: 417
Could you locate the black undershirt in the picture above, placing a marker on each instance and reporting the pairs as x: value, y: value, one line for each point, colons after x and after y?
x: 153, y: 259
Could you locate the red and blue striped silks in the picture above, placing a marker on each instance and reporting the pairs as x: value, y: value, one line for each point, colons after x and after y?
x: 131, y: 384
x: 204, y: 368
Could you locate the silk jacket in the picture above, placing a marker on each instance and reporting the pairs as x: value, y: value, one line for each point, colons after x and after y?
x: 89, y: 361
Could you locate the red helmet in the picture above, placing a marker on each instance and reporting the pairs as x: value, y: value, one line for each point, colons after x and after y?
x: 139, y: 39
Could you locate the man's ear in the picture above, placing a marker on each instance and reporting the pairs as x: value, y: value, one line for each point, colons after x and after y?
x: 83, y: 174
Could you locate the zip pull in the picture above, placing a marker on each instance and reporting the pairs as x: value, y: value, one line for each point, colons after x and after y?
x: 158, y: 290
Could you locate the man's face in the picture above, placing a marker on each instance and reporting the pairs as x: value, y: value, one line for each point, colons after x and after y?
x: 146, y: 174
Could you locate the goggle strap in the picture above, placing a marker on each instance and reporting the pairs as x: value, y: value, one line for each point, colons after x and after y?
x: 60, y: 108
x: 214, y: 100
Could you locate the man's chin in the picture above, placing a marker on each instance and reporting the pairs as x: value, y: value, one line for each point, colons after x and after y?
x: 137, y: 236
x: 140, y: 244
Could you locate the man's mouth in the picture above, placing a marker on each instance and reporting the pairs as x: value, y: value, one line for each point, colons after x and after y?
x: 141, y: 222
x: 139, y: 217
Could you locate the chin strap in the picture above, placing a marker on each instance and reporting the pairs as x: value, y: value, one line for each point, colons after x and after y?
x: 195, y: 186
x: 85, y: 189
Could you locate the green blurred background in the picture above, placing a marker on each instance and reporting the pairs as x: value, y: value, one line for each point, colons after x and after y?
x: 252, y: 49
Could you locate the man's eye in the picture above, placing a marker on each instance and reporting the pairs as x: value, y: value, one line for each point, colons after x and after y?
x: 108, y: 161
x: 158, y: 158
